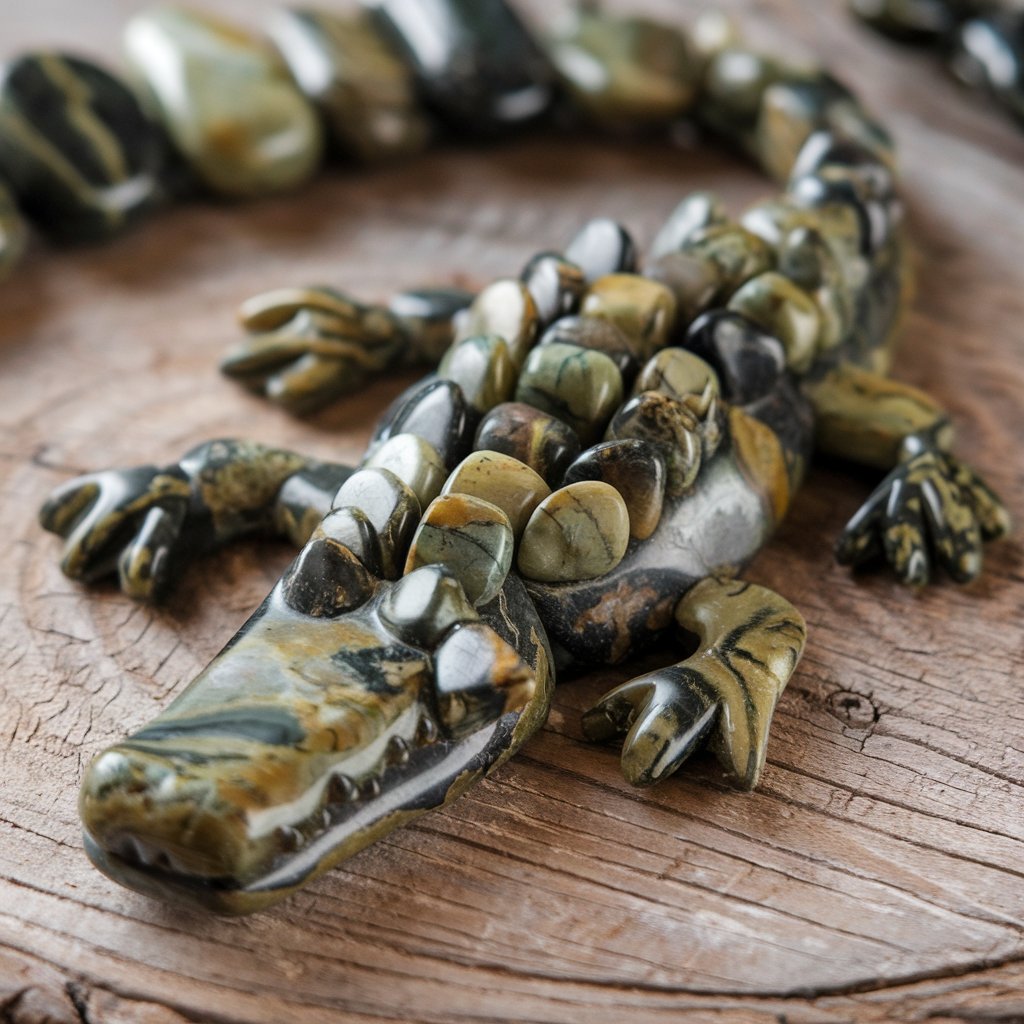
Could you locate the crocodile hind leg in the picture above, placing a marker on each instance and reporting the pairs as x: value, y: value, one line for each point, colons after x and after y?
x: 750, y: 641
x: 931, y: 508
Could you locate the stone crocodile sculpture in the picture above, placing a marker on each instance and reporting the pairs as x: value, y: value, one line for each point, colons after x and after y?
x: 597, y: 456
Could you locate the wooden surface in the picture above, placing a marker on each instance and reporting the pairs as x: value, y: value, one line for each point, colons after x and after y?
x: 878, y: 874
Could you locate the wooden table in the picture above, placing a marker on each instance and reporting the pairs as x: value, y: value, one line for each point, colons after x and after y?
x: 877, y: 874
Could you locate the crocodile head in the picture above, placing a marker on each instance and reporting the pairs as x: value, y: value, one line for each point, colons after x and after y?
x: 344, y: 707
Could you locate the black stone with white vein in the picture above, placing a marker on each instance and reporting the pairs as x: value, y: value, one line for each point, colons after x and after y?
x: 79, y: 153
x: 476, y: 65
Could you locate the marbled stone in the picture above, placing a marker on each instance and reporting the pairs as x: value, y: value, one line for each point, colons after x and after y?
x: 503, y: 481
x: 226, y: 100
x: 389, y: 505
x: 578, y: 532
x: 482, y: 366
x: 427, y: 315
x: 833, y: 188
x: 78, y: 152
x: 671, y: 427
x: 326, y: 580
x: 476, y: 64
x: 623, y: 71
x: 601, y: 247
x: 542, y: 442
x: 597, y: 334
x: 580, y: 386
x: 681, y: 375
x: 422, y: 607
x: 438, y: 413
x: 414, y: 461
x: 694, y: 281
x: 748, y: 362
x: 13, y: 232
x: 785, y: 311
x: 479, y: 678
x: 505, y: 308
x: 988, y: 54
x: 644, y: 310
x: 734, y: 84
x: 697, y: 211
x: 353, y: 76
x: 636, y: 470
x: 469, y: 535
x: 555, y: 284
x: 351, y: 528
x: 736, y: 253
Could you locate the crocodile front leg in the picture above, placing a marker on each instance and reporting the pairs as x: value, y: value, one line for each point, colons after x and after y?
x: 750, y: 641
x: 931, y: 507
x: 142, y: 523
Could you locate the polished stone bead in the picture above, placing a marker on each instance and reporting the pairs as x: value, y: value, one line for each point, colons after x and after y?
x: 503, y: 481
x: 597, y: 334
x: 477, y: 65
x: 694, y: 281
x: 811, y: 263
x: 505, y: 308
x: 580, y: 386
x: 697, y: 211
x: 391, y: 507
x: 636, y: 470
x: 644, y: 310
x: 579, y: 532
x: 622, y: 71
x: 326, y: 580
x: 785, y: 311
x: 427, y: 318
x: 362, y: 88
x: 832, y: 188
x: 440, y: 415
x: 13, y: 232
x: 989, y: 54
x: 748, y: 362
x: 826, y: 147
x: 555, y: 284
x: 482, y: 366
x: 602, y: 247
x: 916, y: 21
x: 671, y: 427
x: 351, y: 528
x: 791, y: 111
x: 736, y: 253
x: 422, y: 607
x: 469, y: 535
x: 544, y: 443
x: 478, y: 678
x: 734, y: 84
x: 226, y: 100
x: 78, y: 152
x: 681, y: 375
x: 414, y: 461
x: 712, y: 32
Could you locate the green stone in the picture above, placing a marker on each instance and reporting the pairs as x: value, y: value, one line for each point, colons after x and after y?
x: 577, y: 533
x: 470, y: 536
x: 697, y: 211
x: 736, y: 254
x: 694, y: 281
x: 482, y: 366
x: 423, y: 606
x: 786, y: 312
x: 621, y: 71
x: 414, y: 461
x: 226, y: 100
x: 542, y: 442
x: 354, y: 77
x: 503, y: 481
x: 580, y: 386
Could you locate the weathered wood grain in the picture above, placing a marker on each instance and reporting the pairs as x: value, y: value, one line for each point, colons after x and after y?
x: 878, y: 874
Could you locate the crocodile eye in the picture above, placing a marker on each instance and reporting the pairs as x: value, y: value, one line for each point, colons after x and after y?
x: 326, y: 580
x: 423, y: 606
x: 479, y: 679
